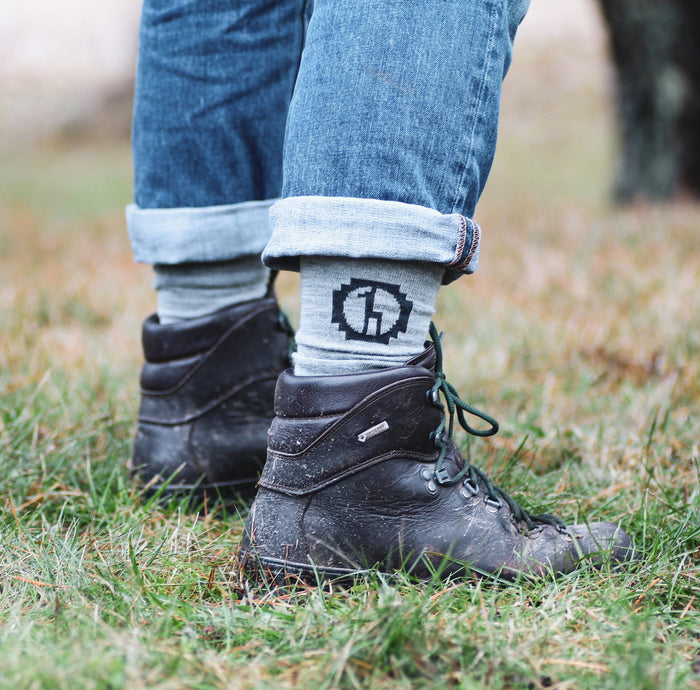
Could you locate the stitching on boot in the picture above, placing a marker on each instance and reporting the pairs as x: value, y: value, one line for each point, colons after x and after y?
x: 334, y: 478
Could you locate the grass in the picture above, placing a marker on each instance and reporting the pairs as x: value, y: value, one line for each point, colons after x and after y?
x: 580, y: 333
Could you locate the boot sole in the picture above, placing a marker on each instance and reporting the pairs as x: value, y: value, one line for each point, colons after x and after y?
x: 279, y: 573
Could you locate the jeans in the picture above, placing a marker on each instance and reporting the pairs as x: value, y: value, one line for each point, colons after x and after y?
x: 370, y: 123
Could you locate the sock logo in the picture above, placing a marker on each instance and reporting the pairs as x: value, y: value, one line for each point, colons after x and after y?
x: 371, y: 310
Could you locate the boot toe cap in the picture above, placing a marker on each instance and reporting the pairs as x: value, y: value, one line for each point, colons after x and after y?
x: 604, y: 542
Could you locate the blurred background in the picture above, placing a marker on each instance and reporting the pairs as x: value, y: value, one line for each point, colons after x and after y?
x: 580, y: 333
x: 61, y: 61
x: 66, y: 69
x: 591, y: 228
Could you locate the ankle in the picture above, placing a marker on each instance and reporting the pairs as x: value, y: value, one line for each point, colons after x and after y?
x: 191, y: 290
x: 363, y: 314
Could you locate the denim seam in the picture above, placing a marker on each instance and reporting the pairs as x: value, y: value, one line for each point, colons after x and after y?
x: 306, y: 10
x: 461, y: 261
x: 476, y: 108
x: 476, y: 238
x: 460, y: 242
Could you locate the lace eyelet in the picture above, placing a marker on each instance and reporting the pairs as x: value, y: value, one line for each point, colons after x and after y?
x: 432, y: 487
x: 436, y: 439
x: 471, y: 487
x: 433, y: 397
x: 443, y: 476
x: 426, y: 474
x: 493, y: 502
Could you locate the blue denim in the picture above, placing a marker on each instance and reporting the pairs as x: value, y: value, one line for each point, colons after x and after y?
x: 375, y: 121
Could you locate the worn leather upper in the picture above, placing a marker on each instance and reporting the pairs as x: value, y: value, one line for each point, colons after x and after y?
x: 207, y: 390
x: 350, y: 483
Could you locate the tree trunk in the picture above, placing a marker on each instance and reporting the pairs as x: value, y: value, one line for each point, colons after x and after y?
x: 688, y: 59
x: 657, y: 63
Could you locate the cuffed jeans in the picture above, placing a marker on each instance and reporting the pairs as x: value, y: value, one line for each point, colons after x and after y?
x: 372, y: 121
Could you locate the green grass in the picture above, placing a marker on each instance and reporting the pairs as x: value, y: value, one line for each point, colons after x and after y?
x: 580, y: 333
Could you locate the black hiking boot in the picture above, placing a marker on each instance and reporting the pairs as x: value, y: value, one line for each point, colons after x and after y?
x: 207, y: 392
x: 361, y: 473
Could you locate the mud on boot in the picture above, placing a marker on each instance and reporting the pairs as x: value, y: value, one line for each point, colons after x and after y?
x: 362, y: 473
x: 207, y: 391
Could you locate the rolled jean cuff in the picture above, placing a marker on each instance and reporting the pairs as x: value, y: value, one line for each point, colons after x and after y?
x: 371, y: 229
x: 210, y: 233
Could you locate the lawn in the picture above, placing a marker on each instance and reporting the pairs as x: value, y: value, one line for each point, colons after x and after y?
x: 580, y: 333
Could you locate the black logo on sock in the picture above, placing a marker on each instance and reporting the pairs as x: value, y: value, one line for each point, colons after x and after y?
x: 371, y: 310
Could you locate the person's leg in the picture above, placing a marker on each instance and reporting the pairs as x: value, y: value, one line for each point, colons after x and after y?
x: 212, y: 91
x: 213, y: 85
x: 391, y: 134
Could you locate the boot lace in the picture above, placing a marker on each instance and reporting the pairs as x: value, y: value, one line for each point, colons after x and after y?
x: 469, y: 474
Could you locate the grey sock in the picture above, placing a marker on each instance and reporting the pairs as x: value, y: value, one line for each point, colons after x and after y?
x: 363, y: 314
x: 187, y: 291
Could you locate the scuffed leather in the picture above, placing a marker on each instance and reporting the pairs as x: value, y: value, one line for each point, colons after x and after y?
x: 331, y: 504
x: 207, y: 392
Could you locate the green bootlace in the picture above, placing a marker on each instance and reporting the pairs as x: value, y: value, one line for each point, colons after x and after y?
x: 470, y: 475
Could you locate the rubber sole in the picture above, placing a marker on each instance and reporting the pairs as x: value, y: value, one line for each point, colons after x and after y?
x: 278, y: 573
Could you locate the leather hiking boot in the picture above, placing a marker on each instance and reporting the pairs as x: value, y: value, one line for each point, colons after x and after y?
x: 361, y: 473
x: 207, y: 392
